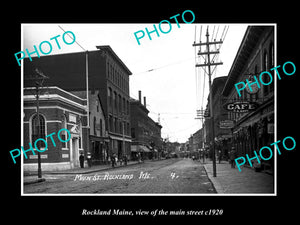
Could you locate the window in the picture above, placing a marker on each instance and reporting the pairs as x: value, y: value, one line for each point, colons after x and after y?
x: 115, y: 125
x: 120, y: 104
x: 95, y: 131
x: 115, y: 100
x: 101, y: 130
x: 111, y: 73
x: 64, y: 133
x: 121, y: 127
x: 36, y: 127
x: 133, y: 132
x: 123, y: 105
x: 111, y: 124
x: 271, y: 64
x: 128, y: 129
x: 127, y: 107
x: 265, y: 78
x: 109, y: 95
x: 108, y: 71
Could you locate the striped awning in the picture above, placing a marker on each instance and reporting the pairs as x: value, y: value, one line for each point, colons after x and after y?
x: 139, y: 148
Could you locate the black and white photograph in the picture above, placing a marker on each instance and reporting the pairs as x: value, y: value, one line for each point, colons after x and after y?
x: 165, y: 114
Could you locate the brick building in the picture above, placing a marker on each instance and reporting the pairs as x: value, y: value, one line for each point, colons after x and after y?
x: 222, y: 135
x: 146, y: 133
x: 254, y: 128
x: 57, y: 109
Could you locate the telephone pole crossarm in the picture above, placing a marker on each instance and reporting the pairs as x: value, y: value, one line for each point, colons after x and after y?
x: 208, y: 43
x: 209, y: 64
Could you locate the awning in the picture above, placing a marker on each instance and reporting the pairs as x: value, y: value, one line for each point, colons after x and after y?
x: 144, y: 148
x: 139, y: 148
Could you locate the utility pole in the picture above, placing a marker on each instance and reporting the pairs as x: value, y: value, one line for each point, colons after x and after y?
x: 209, y: 64
x: 38, y: 79
x: 200, y: 116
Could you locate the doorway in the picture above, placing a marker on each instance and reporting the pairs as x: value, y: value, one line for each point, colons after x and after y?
x: 74, y: 153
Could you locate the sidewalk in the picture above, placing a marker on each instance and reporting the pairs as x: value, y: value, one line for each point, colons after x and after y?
x: 231, y: 181
x: 31, y: 177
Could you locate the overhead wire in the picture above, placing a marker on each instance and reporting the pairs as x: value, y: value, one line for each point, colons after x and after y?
x: 72, y: 39
x: 196, y: 70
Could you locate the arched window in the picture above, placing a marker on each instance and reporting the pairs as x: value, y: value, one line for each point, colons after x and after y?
x: 38, y: 129
x: 64, y: 133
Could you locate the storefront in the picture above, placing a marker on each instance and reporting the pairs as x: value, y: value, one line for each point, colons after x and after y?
x: 255, y: 130
x: 99, y: 150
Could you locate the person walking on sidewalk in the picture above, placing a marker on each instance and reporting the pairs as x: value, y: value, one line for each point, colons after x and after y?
x: 220, y: 156
x: 81, y: 160
x: 232, y: 156
x: 113, y: 160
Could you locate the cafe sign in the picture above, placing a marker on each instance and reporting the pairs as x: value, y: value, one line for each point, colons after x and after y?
x: 240, y: 106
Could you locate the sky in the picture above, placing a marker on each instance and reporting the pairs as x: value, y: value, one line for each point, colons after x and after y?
x: 162, y: 68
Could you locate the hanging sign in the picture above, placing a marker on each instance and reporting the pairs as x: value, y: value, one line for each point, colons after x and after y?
x: 226, y: 124
x: 240, y: 106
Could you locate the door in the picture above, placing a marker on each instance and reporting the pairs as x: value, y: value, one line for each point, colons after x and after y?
x: 74, y: 160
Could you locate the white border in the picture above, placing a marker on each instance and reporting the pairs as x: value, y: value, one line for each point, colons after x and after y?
x: 194, y: 194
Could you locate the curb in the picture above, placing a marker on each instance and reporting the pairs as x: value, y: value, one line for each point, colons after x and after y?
x: 38, y: 180
x: 218, y: 187
x: 89, y: 171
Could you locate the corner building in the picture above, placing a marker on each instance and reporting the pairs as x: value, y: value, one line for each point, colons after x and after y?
x: 57, y: 109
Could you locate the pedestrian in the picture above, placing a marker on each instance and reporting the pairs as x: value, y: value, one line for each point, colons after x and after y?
x: 81, y: 160
x: 113, y: 160
x: 232, y: 156
x: 139, y: 157
x: 125, y: 160
x: 220, y: 156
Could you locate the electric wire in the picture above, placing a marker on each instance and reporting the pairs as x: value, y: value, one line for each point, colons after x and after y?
x: 73, y: 39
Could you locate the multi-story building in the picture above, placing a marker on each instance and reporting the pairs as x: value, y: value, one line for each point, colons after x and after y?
x: 221, y: 133
x: 98, y: 137
x: 146, y: 133
x: 107, y: 75
x: 254, y: 122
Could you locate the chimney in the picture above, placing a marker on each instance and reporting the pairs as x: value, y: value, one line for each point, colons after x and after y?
x: 145, y: 101
x: 140, y: 96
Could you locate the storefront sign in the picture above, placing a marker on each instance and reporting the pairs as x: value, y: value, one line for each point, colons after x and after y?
x: 226, y: 124
x: 72, y: 118
x: 240, y: 106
